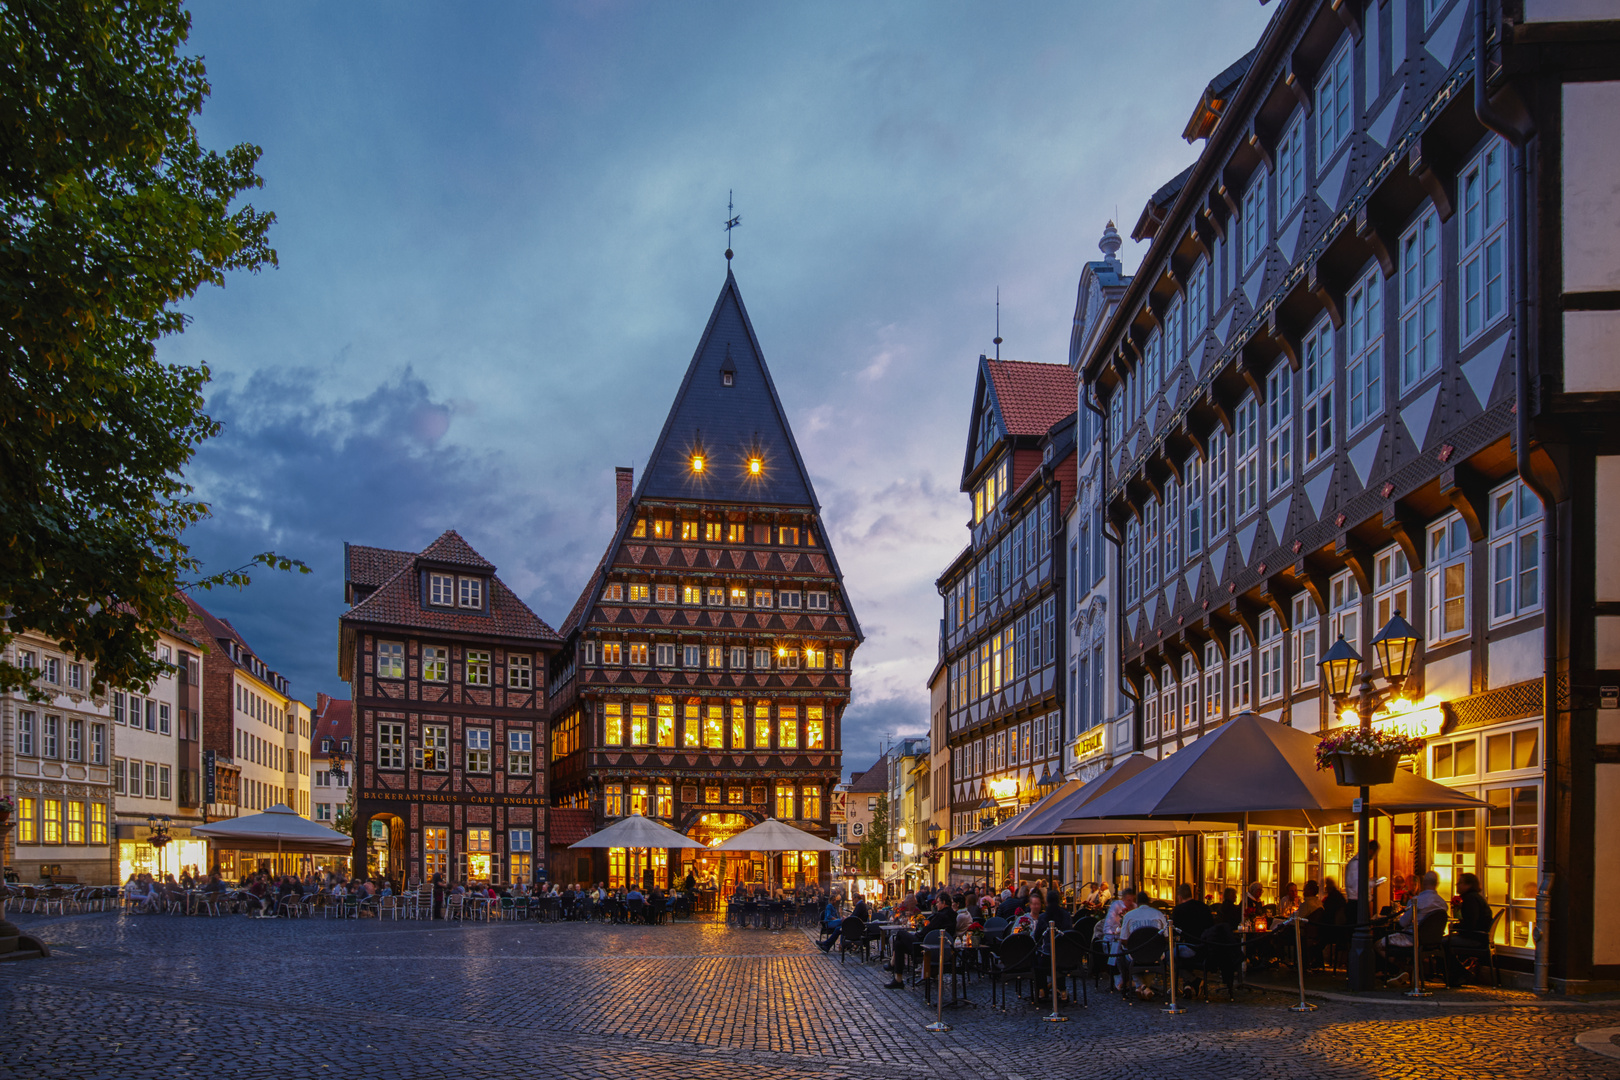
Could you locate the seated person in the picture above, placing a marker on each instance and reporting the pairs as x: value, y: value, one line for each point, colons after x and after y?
x: 1140, y: 915
x: 908, y: 944
x: 1423, y: 904
x: 1227, y: 911
x: 832, y: 923
x: 1473, y: 927
x: 1191, y: 918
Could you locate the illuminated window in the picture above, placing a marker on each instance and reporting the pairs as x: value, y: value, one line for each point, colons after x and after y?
x: 611, y: 653
x: 714, y: 727
x: 691, y: 594
x: 711, y: 795
x: 477, y: 667
x: 713, y: 531
x: 815, y: 728
x: 837, y: 658
x: 390, y: 660
x: 98, y: 823
x: 435, y: 851
x: 434, y: 753
x: 614, y: 592
x: 638, y: 799
x: 638, y: 654
x: 638, y: 724
x: 639, y: 530
x: 736, y: 796
x: 27, y: 821
x: 784, y: 801
x: 762, y: 598
x: 640, y: 594
x: 716, y: 657
x: 789, y: 535
x: 691, y: 726
x: 613, y: 795
x: 739, y: 724
x: 786, y: 657
x: 613, y: 724
x: 666, y: 723
x: 665, y: 800
x: 435, y: 663
x: 663, y: 529
x: 762, y: 725
x: 51, y: 822
x: 736, y: 533
x: 666, y: 594
x: 689, y: 529
x: 810, y: 802
x: 716, y: 596
x: 739, y: 596
x: 520, y: 847
x: 787, y: 727
x: 815, y: 656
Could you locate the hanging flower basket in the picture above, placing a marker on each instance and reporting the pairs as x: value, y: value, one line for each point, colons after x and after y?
x: 1364, y: 758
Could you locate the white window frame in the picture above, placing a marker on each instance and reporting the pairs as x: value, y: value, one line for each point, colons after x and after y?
x: 816, y: 601
x: 1254, y: 229
x: 1392, y: 588
x: 1290, y: 158
x: 1421, y: 300
x: 1318, y: 415
x: 693, y: 657
x: 442, y: 590
x: 1345, y: 612
x: 1192, y: 698
x: 1247, y: 432
x: 390, y: 745
x: 1279, y: 428
x: 1150, y: 709
x: 1133, y: 562
x: 519, y: 753
x: 1515, y: 552
x: 1214, y: 696
x: 520, y: 670
x: 1193, y: 505
x: 1307, y: 635
x: 664, y: 654
x: 1150, y: 545
x: 475, y: 667
x: 1173, y: 555
x: 470, y: 593
x: 1240, y: 671
x: 1482, y: 242
x: 1217, y: 495
x: 1447, y: 566
x: 1335, y: 104
x: 1169, y: 698
x: 434, y: 753
x: 1197, y: 302
x: 390, y: 659
x: 1364, y: 364
x: 1175, y: 337
x: 478, y: 750
x: 435, y: 658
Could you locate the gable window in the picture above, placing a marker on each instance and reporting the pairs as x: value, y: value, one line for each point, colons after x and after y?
x: 663, y: 529
x: 788, y: 535
x: 693, y: 656
x: 520, y: 672
x: 762, y: 658
x: 478, y: 749
x: 477, y: 667
x: 692, y: 594
x: 441, y: 590
x: 816, y: 601
x: 1279, y: 428
x: 1334, y: 98
x: 715, y: 595
x: 614, y: 592
x: 736, y: 533
x: 739, y: 596
x: 1482, y: 242
x: 1515, y: 551
x: 666, y: 656
x: 638, y: 654
x: 612, y: 653
x: 1254, y: 229
x: 762, y: 598
x: 665, y: 594
x: 1449, y: 548
x: 789, y: 599
x: 435, y: 663
x: 739, y: 657
x: 689, y: 529
x: 1365, y: 365
x: 640, y: 594
x: 390, y: 746
x: 1291, y: 167
x: 472, y: 592
x: 1318, y: 375
x: 1247, y: 430
x: 1420, y: 299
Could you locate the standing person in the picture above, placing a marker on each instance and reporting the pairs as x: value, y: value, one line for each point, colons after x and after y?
x: 438, y: 895
x: 1352, y: 880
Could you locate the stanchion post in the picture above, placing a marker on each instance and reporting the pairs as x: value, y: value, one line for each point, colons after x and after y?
x: 1175, y: 1008
x: 1051, y: 945
x: 1299, y: 966
x: 939, y: 1024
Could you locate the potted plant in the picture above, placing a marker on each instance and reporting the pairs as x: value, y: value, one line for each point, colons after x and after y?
x: 1364, y: 758
x: 6, y: 808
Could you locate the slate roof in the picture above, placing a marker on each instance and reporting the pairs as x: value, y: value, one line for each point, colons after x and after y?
x: 728, y: 424
x: 398, y: 600
x: 1031, y: 397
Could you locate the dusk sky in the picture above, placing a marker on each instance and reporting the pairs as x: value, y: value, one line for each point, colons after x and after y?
x: 500, y: 236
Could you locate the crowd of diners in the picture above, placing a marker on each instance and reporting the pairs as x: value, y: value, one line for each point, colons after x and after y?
x: 1247, y: 928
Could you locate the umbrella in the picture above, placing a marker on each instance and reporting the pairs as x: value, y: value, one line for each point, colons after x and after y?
x: 1259, y: 773
x: 772, y: 836
x: 279, y: 826
x: 636, y: 831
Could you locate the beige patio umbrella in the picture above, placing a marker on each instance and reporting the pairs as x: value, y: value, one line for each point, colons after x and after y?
x: 774, y: 837
x: 636, y: 831
x: 280, y: 827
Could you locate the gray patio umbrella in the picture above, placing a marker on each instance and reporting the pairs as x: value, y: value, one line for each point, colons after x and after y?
x: 280, y: 827
x: 636, y: 831
x: 1257, y: 772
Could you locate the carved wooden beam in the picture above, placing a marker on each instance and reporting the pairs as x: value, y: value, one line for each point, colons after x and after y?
x: 1212, y: 221
x: 1223, y: 412
x: 1425, y: 164
x: 1286, y: 337
x: 1406, y: 529
x: 1246, y: 615
x: 1299, y: 82
x: 1377, y: 235
x: 1259, y: 146
x: 1226, y: 196
x: 1273, y: 598
x: 1357, y: 558
x: 1466, y: 490
x: 1349, y: 12
x: 1312, y: 581
x: 1327, y: 292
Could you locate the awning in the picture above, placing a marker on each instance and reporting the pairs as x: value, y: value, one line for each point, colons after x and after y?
x: 277, y: 829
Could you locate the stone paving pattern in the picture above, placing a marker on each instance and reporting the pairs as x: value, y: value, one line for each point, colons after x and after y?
x: 234, y: 997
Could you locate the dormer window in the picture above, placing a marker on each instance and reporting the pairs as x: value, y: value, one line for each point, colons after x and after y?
x: 472, y: 592
x: 326, y: 746
x: 447, y: 590
x: 441, y: 590
x: 728, y: 378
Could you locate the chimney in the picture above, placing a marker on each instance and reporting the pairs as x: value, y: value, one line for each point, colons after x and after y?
x: 321, y: 701
x: 624, y: 477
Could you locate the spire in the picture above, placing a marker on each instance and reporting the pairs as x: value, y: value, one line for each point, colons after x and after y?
x: 727, y: 437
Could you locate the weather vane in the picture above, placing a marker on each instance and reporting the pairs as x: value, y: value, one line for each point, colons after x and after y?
x: 732, y: 221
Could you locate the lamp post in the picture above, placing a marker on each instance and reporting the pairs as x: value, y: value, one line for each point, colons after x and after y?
x: 157, y: 827
x: 1396, y: 645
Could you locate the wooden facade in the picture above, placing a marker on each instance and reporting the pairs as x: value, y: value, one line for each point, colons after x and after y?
x: 446, y: 668
x: 706, y: 664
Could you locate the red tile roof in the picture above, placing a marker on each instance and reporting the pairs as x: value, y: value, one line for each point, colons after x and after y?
x: 371, y: 566
x: 568, y: 826
x: 334, y: 719
x: 1032, y: 397
x: 398, y: 601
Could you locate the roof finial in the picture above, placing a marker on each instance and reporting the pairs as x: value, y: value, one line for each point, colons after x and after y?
x: 732, y: 221
x: 1110, y: 244
x: 998, y: 322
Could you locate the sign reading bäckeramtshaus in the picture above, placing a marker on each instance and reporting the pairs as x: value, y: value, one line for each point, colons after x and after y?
x: 457, y: 782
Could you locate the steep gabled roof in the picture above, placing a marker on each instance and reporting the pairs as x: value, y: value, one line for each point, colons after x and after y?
x: 874, y: 779
x: 1030, y: 397
x: 334, y: 719
x: 728, y: 424
x: 371, y: 566
x: 398, y: 601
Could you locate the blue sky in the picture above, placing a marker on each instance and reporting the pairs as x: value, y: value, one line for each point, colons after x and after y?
x: 499, y: 231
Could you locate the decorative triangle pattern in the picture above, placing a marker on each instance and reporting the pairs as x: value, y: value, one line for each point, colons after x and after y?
x: 1288, y: 239
x: 1217, y: 560
x: 1150, y: 609
x: 1317, y: 487
x: 1364, y: 453
x: 1278, y: 516
x: 1192, y: 579
x: 1482, y: 370
x: 1442, y: 43
x: 1384, y: 123
x: 1416, y: 416
x: 1333, y: 181
x: 1224, y: 327
x: 1251, y: 287
x: 1245, y: 539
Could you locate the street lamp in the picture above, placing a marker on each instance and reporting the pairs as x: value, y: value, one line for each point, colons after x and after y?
x: 334, y: 768
x: 157, y: 827
x: 1396, y: 647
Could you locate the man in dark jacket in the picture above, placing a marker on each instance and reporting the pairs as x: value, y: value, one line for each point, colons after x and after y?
x: 1190, y: 915
x: 909, y: 944
x: 1474, y: 919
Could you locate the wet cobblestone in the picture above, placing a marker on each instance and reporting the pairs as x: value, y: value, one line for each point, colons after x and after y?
x: 234, y: 997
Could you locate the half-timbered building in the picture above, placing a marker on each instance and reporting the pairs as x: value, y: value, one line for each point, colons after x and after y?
x: 706, y: 664
x: 1319, y: 388
x: 1002, y: 640
x: 446, y: 668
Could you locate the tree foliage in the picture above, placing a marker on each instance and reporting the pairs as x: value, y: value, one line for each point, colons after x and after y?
x: 874, y: 849
x: 111, y: 213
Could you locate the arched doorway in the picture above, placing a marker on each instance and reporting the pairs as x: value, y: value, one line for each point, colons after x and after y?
x: 721, y: 870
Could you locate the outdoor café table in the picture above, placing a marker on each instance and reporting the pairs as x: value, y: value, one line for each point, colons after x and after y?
x: 887, y: 931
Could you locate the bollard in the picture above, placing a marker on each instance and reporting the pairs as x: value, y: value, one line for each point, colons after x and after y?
x: 1417, y: 990
x: 939, y: 1023
x: 1175, y: 1008
x: 1051, y: 944
x: 1299, y: 966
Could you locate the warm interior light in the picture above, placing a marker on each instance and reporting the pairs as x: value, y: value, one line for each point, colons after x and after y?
x: 697, y: 462
x: 755, y: 466
x: 781, y: 650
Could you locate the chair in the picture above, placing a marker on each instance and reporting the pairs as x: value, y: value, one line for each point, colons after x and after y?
x: 938, y: 950
x: 1146, y: 949
x: 852, y: 935
x: 1431, y: 936
x: 995, y: 928
x: 1071, y: 951
x: 1014, y: 959
x: 1463, y: 954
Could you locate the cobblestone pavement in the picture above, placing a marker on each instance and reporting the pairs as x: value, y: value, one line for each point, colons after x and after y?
x: 234, y: 997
